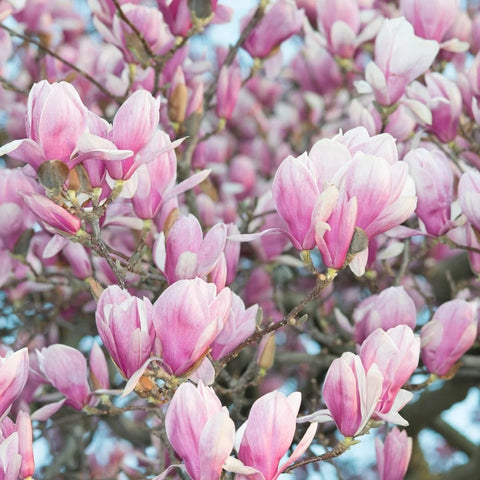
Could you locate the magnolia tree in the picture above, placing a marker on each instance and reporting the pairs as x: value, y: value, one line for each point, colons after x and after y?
x: 237, y: 255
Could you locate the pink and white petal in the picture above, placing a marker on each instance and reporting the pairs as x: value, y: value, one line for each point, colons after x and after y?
x: 211, y: 248
x: 45, y: 412
x: 132, y: 382
x: 300, y: 449
x: 168, y: 471
x: 25, y: 150
x: 93, y: 147
x: 216, y: 443
x: 320, y: 416
x: 205, y: 373
x: 187, y: 184
x: 54, y: 246
x: 234, y: 465
x: 359, y: 262
x: 159, y: 252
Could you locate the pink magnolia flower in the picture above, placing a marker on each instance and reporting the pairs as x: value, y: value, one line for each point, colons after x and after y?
x: 340, y: 21
x: 66, y: 369
x: 396, y: 354
x: 240, y: 324
x: 282, y: 20
x: 53, y: 216
x: 228, y: 87
x: 133, y: 140
x: 135, y: 128
x: 301, y: 201
x: 366, y: 169
x: 433, y: 178
x: 266, y: 436
x: 385, y: 192
x: 335, y: 243
x: 56, y: 118
x: 106, y: 10
x: 351, y: 394
x: 400, y: 57
x: 431, y: 19
x: 13, y: 376
x: 187, y: 317
x: 187, y: 254
x: 79, y: 259
x: 155, y: 179
x: 392, y: 307
x: 200, y: 430
x: 393, y: 455
x: 149, y: 22
x: 19, y: 435
x: 177, y: 15
x: 125, y: 326
x: 448, y: 335
x: 445, y: 104
x: 314, y: 68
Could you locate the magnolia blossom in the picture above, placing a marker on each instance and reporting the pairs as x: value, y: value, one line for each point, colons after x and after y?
x: 340, y: 21
x: 56, y: 118
x: 301, y: 201
x: 433, y: 178
x: 430, y: 19
x: 400, y: 57
x: 351, y: 394
x: 352, y: 180
x: 392, y: 307
x: 149, y: 21
x: 187, y: 317
x: 66, y: 369
x: 240, y: 324
x: 448, y: 335
x: 187, y: 254
x: 200, y: 430
x: 125, y: 325
x: 270, y: 427
x: 444, y: 100
x: 228, y: 88
x: 393, y: 455
x: 282, y: 20
x: 396, y: 354
x: 53, y: 216
x: 16, y: 447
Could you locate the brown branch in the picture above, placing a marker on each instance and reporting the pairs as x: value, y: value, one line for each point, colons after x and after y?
x: 322, y: 282
x: 8, y: 85
x: 450, y: 243
x: 50, y: 52
x: 337, y: 450
x: 254, y: 21
x: 137, y: 32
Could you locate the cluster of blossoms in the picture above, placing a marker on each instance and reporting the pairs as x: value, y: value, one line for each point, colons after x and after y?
x: 166, y: 208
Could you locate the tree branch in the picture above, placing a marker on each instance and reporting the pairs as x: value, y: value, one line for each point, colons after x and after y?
x: 50, y: 52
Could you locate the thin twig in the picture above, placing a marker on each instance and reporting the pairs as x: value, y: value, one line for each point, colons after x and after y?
x: 337, y: 450
x: 81, y: 72
x: 447, y: 241
x: 254, y: 21
x: 8, y: 85
x: 137, y: 32
x: 322, y: 283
